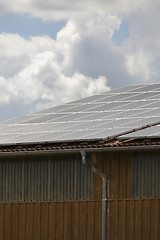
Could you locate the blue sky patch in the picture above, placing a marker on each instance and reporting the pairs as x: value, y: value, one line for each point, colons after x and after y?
x: 26, y: 26
x: 121, y: 34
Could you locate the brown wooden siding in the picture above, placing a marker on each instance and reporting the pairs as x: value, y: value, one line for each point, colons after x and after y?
x: 117, y: 167
x: 135, y: 219
x: 80, y: 220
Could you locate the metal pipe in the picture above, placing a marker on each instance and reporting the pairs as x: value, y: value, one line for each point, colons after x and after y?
x: 104, y: 194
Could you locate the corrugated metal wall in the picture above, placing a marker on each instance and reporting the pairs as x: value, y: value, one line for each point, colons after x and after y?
x: 45, y: 179
x: 146, y: 175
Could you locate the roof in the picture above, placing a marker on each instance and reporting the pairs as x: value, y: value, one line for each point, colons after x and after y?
x: 128, y: 112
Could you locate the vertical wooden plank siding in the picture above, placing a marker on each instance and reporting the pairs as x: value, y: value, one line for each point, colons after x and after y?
x: 14, y: 221
x: 83, y: 221
x: 75, y: 220
x: 122, y: 220
x: 22, y: 221
x: 59, y: 220
x: 129, y: 219
x: 113, y: 220
x: 114, y: 177
x: 90, y: 212
x: 29, y: 221
x: 98, y: 221
x: 36, y: 221
x: 117, y: 167
x: 138, y: 220
x: 44, y: 221
x: 67, y: 221
x: 7, y: 222
x: 146, y: 220
x: 122, y: 186
x: 129, y: 175
x: 1, y: 219
x: 154, y: 220
x: 52, y: 221
x: 130, y: 213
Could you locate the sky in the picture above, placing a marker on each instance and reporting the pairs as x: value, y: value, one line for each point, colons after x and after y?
x: 56, y: 51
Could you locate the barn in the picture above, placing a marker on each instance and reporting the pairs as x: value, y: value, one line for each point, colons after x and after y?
x: 85, y: 170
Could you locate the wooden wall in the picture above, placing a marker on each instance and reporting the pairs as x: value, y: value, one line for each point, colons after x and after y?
x: 77, y: 220
x: 80, y: 220
x: 134, y: 219
x: 117, y: 166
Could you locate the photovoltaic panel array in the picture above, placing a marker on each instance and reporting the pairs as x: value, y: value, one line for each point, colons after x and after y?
x: 96, y: 117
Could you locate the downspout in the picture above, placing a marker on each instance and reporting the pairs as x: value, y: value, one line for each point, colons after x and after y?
x: 104, y: 194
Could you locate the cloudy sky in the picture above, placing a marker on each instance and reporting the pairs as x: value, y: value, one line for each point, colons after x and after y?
x: 56, y: 51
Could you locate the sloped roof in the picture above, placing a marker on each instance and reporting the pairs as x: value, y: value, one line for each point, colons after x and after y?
x: 132, y: 111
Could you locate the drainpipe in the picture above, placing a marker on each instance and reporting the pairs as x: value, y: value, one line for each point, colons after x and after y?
x: 104, y: 186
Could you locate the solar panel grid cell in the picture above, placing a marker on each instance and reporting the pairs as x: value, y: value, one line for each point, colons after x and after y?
x: 116, y: 97
x: 129, y: 113
x: 153, y: 104
x: 127, y: 89
x: 137, y: 105
x: 147, y: 88
x: 106, y: 133
x: 71, y: 117
x: 148, y: 132
x: 149, y: 113
x: 100, y: 115
x: 142, y: 96
x: 110, y: 105
x: 57, y: 108
x: 46, y: 118
x: 92, y: 98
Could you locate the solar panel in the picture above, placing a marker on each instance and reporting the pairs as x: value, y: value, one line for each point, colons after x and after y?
x: 115, y: 97
x: 96, y: 117
x: 153, y: 105
x: 45, y: 118
x: 137, y: 105
x: 148, y: 113
x: 148, y: 132
x: 142, y: 96
x: 127, y: 89
x: 100, y: 115
x: 106, y: 133
x: 57, y: 108
x: 92, y: 98
x: 147, y: 88
x: 109, y: 106
x: 83, y: 107
x: 129, y: 113
x: 155, y: 96
x: 20, y: 119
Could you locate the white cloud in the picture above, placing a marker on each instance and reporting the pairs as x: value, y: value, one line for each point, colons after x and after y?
x: 62, y: 9
x: 39, y: 80
x: 82, y: 61
x: 142, y: 48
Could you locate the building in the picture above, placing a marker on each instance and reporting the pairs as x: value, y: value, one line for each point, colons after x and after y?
x: 89, y: 169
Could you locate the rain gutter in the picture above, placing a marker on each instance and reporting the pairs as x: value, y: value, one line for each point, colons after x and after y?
x: 107, y: 149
